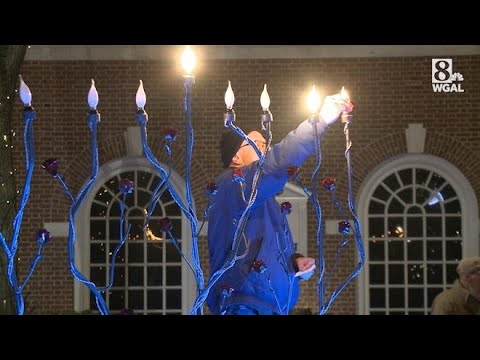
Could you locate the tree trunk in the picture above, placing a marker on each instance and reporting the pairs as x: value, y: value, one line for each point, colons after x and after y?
x: 11, y: 58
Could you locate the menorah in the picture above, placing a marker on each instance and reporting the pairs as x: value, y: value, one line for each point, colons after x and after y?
x: 187, y: 208
x: 188, y: 62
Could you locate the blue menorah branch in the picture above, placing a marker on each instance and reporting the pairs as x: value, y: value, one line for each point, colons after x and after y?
x: 188, y: 210
x: 125, y: 187
x: 344, y: 227
x: 42, y: 235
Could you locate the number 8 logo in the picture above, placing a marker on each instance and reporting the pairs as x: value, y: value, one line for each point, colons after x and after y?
x: 441, y: 70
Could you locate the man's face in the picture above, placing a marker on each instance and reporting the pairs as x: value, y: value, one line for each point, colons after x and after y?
x: 246, y: 153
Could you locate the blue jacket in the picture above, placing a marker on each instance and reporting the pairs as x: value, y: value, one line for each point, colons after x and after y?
x: 272, y: 288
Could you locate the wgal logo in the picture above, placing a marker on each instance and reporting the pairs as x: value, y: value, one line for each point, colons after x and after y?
x: 443, y: 77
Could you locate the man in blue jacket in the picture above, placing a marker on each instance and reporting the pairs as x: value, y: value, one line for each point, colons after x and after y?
x: 262, y: 280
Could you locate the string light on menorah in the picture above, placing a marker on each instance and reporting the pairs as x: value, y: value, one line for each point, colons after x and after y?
x: 229, y: 119
x: 51, y: 167
x: 125, y: 188
x: 344, y: 227
x: 315, y: 118
x: 42, y: 236
x: 188, y: 62
x: 313, y: 103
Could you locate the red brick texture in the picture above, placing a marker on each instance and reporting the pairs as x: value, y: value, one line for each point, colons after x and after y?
x: 389, y: 93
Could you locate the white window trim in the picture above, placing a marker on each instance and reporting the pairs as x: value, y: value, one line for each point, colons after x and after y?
x: 82, y: 243
x: 466, y: 196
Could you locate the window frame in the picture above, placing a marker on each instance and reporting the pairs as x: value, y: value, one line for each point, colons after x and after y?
x: 466, y: 196
x: 82, y: 221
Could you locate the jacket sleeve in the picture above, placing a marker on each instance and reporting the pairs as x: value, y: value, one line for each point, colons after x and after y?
x: 294, y: 149
x: 443, y: 305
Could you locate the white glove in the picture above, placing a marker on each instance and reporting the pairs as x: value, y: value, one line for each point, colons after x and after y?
x: 333, y: 106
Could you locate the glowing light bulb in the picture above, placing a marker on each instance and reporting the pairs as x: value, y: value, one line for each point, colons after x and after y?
x: 188, y: 60
x: 265, y: 99
x: 93, y: 96
x: 141, y: 97
x: 313, y: 100
x: 25, y: 94
x: 229, y: 97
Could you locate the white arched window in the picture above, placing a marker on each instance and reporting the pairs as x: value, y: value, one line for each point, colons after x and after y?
x: 419, y: 217
x: 150, y: 276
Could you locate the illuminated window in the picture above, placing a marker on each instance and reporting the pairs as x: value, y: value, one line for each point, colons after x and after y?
x: 148, y: 270
x: 414, y: 229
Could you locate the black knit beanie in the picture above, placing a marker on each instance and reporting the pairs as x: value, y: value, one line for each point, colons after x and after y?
x: 229, y: 145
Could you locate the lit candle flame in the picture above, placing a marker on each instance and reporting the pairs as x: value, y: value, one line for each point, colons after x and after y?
x: 229, y: 97
x: 93, y: 96
x: 25, y: 94
x: 188, y: 60
x: 265, y: 99
x: 141, y: 97
x: 313, y: 100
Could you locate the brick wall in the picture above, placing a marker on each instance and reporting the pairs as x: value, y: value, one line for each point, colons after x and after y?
x: 389, y: 93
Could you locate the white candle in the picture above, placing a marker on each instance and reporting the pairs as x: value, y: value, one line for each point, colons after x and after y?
x: 188, y: 60
x: 229, y: 97
x: 265, y: 99
x: 25, y: 93
x: 141, y: 97
x: 313, y: 100
x: 93, y: 96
